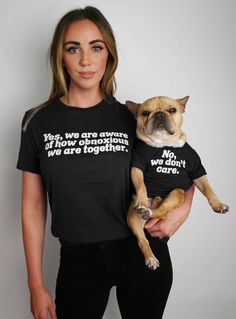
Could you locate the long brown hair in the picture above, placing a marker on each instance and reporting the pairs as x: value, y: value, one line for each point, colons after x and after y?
x: 61, y: 79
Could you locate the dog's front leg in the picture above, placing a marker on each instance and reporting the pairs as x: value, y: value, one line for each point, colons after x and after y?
x: 205, y: 188
x: 136, y: 224
x: 141, y: 199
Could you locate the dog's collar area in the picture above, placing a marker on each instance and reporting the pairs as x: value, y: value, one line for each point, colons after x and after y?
x: 176, y: 143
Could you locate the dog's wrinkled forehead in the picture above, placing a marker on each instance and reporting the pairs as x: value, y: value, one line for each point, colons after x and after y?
x: 159, y: 103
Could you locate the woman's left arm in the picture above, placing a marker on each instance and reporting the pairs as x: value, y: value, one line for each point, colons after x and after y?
x: 167, y: 227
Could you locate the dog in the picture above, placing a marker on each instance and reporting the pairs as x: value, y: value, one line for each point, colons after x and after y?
x: 164, y: 166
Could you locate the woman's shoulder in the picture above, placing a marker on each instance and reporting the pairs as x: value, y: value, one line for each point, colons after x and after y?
x: 36, y: 113
x: 122, y: 114
x: 121, y: 107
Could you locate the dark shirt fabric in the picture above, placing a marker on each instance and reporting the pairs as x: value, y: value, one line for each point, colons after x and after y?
x: 167, y: 168
x: 84, y: 158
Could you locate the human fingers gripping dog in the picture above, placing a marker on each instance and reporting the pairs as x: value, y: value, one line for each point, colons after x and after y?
x: 164, y: 166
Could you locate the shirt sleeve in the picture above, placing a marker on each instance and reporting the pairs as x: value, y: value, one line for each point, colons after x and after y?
x: 28, y: 158
x: 138, y: 158
x: 196, y: 168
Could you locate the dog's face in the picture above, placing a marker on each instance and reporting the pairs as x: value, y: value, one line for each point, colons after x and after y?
x: 159, y: 118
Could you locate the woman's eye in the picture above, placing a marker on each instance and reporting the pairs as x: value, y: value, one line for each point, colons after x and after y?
x: 73, y: 50
x: 97, y: 48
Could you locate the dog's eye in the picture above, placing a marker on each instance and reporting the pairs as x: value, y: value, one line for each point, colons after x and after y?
x: 172, y: 110
x: 145, y: 113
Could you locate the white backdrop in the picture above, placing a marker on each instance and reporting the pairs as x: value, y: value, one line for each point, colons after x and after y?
x: 170, y: 47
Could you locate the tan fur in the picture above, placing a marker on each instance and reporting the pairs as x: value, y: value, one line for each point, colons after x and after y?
x: 140, y: 209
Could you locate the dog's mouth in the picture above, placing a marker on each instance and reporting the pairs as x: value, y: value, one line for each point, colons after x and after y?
x: 161, y: 125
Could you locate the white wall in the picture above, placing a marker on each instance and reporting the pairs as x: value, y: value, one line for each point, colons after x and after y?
x: 167, y: 47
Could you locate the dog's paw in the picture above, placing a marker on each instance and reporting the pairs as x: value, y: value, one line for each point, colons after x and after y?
x: 221, y: 208
x: 152, y: 263
x: 145, y: 212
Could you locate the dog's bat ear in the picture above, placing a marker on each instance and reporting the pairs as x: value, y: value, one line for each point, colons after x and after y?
x: 183, y: 102
x: 133, y: 107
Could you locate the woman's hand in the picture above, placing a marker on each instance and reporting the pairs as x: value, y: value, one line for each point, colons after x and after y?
x: 167, y: 227
x: 41, y: 303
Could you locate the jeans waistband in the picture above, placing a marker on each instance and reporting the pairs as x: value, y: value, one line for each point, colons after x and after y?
x: 65, y: 242
x: 124, y: 240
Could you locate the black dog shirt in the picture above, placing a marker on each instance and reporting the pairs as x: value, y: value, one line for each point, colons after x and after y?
x: 167, y: 168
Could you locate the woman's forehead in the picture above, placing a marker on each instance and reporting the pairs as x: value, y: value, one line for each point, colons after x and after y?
x: 82, y: 30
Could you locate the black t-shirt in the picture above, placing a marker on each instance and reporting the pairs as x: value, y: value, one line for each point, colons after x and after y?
x: 84, y: 158
x: 167, y: 168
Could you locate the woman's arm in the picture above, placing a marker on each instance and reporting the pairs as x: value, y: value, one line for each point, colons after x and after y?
x: 34, y: 215
x: 167, y: 227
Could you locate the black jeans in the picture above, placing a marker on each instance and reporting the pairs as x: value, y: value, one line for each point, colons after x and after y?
x: 87, y: 272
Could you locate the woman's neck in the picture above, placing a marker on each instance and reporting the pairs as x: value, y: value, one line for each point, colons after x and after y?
x: 82, y: 98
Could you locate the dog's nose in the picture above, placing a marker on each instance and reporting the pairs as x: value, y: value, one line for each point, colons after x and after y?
x: 160, y: 115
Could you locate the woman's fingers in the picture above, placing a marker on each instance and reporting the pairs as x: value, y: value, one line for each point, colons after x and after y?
x: 52, y: 311
x: 152, y: 223
x: 41, y: 304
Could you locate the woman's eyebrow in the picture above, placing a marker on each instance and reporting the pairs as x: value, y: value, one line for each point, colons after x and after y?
x: 78, y: 43
x: 97, y: 40
x: 71, y: 42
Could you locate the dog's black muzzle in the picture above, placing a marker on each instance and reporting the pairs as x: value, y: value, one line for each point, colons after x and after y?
x: 160, y: 121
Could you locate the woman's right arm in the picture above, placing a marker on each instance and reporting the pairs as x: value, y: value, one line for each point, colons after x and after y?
x: 34, y: 215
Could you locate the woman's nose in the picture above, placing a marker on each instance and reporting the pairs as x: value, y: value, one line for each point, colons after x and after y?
x: 84, y: 58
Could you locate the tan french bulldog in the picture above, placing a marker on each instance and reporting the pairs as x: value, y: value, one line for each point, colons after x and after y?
x: 168, y: 159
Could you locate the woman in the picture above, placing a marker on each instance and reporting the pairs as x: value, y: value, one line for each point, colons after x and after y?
x: 76, y: 147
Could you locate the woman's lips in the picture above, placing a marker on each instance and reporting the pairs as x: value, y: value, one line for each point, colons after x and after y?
x: 86, y: 75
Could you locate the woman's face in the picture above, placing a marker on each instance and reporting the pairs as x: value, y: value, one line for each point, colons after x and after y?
x: 84, y: 55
